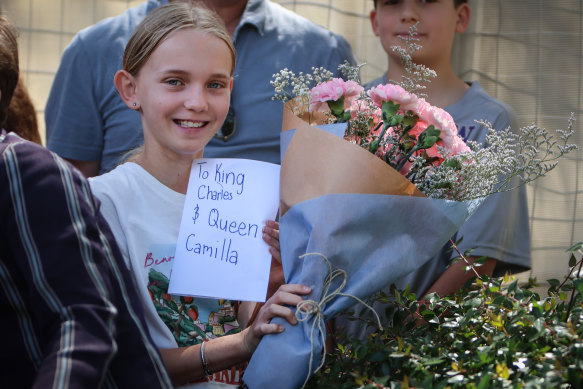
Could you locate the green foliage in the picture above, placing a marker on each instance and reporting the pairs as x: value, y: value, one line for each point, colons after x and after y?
x: 494, y: 333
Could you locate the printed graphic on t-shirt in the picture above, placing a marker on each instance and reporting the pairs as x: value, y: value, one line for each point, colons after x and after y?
x: 465, y: 131
x: 191, y: 320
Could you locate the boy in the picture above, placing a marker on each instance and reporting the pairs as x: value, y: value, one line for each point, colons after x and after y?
x: 499, y: 228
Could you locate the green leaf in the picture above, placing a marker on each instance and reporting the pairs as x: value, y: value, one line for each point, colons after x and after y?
x: 337, y: 107
x: 572, y: 260
x: 389, y: 109
x: 428, y: 138
x: 578, y: 284
x: 480, y: 261
x: 452, y: 163
x: 575, y: 247
x: 409, y: 121
x: 484, y: 382
x: 433, y: 361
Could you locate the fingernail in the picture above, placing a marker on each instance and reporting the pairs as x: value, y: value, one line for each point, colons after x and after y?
x: 280, y: 328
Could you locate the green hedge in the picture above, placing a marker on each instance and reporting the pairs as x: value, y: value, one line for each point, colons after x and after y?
x: 494, y: 333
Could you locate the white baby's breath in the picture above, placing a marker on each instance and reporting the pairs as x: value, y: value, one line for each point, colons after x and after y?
x: 507, y: 159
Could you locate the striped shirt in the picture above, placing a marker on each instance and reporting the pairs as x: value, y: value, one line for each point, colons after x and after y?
x: 69, y: 314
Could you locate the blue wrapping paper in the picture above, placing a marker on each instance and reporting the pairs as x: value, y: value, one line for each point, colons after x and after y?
x: 376, y: 239
x: 343, y: 209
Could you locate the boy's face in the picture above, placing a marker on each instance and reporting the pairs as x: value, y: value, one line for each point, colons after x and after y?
x: 439, y: 21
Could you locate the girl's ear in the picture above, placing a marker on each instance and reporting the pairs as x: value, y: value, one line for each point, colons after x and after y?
x: 373, y: 22
x: 463, y: 18
x: 127, y: 88
x: 231, y: 85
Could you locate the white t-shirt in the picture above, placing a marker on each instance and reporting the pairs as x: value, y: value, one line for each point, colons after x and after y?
x: 144, y: 216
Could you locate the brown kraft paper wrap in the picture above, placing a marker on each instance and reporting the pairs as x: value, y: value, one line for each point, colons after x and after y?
x: 317, y: 163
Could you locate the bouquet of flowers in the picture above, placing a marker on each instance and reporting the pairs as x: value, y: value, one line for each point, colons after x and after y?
x: 371, y: 198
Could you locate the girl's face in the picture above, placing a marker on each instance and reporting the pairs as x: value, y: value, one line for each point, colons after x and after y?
x: 183, y: 91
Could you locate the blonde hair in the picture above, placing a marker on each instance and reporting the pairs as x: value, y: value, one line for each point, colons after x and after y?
x: 163, y: 21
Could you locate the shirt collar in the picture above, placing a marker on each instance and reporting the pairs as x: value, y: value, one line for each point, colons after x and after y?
x: 255, y: 15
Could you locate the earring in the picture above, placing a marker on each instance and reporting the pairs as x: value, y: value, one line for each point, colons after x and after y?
x: 134, y: 104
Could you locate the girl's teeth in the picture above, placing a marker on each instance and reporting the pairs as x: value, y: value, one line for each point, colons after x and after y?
x: 190, y: 124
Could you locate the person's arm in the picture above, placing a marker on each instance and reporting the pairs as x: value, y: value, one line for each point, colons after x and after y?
x: 185, y: 365
x: 456, y: 276
x: 50, y: 224
x: 74, y: 125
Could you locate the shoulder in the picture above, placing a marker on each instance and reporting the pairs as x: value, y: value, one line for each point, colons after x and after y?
x: 477, y: 104
x: 29, y: 159
x: 110, y: 33
x: 115, y: 185
x: 39, y: 175
x: 286, y: 22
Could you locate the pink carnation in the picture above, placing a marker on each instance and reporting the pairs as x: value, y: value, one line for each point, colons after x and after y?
x: 394, y: 93
x: 334, y: 90
x: 443, y: 121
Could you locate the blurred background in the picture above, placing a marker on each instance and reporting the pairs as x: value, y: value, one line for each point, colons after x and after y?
x: 527, y: 53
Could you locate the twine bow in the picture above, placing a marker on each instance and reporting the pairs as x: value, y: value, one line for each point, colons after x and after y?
x: 308, y: 308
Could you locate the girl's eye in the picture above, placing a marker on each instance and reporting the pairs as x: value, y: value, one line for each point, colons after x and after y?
x: 174, y: 82
x: 216, y: 85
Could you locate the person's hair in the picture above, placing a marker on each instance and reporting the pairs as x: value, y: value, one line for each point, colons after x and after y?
x: 163, y: 21
x: 9, y: 70
x: 456, y: 3
x: 21, y: 115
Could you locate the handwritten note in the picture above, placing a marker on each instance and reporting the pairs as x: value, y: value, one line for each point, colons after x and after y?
x: 220, y: 252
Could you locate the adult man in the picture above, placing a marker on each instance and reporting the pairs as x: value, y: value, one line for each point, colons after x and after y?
x: 88, y: 124
x: 68, y: 308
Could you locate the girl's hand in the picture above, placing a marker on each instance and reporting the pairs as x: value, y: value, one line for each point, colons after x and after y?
x: 278, y: 305
x: 271, y: 237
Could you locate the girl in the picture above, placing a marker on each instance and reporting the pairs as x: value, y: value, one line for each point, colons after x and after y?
x: 178, y: 73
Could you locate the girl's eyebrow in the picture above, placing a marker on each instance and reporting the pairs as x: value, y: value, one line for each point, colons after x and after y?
x: 220, y: 75
x: 182, y: 72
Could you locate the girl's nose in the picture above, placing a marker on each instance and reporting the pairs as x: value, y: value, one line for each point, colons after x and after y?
x: 196, y: 100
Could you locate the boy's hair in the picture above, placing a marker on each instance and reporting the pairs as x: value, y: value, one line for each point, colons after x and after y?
x: 456, y: 3
x: 163, y: 21
x: 9, y: 70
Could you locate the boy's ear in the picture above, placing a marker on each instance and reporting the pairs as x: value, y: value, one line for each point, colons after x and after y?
x: 463, y: 18
x: 126, y: 87
x: 373, y: 22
